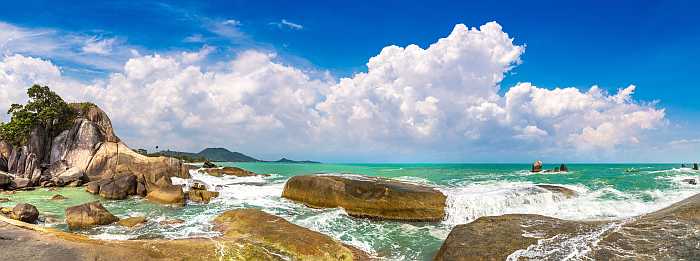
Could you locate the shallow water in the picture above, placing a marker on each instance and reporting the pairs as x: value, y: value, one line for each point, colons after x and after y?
x: 605, y: 191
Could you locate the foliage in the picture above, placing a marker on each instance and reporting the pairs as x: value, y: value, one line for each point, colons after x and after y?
x: 45, y: 109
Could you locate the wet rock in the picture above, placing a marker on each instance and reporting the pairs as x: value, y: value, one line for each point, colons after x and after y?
x: 691, y: 181
x: 534, y: 237
x: 537, y: 166
x: 88, y: 215
x: 569, y: 193
x: 3, y: 200
x: 563, y: 168
x: 118, y: 188
x: 201, y: 196
x: 58, y: 197
x: 208, y: 164
x: 370, y: 197
x: 132, y: 222
x: 172, y: 195
x: 172, y: 222
x: 695, y: 166
x: 229, y: 171
x: 25, y: 213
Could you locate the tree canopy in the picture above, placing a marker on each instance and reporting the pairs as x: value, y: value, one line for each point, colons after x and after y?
x: 44, y: 109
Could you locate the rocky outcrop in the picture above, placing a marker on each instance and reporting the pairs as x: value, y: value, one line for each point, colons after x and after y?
x: 228, y: 171
x: 25, y: 213
x: 201, y: 196
x: 536, y: 166
x: 132, y: 222
x: 567, y: 192
x: 370, y: 197
x: 668, y: 234
x: 207, y: 164
x: 246, y: 235
x: 88, y: 215
x: 563, y: 168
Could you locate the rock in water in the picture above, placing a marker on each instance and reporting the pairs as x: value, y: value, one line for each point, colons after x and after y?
x: 207, y: 164
x: 172, y: 195
x: 228, y: 171
x: 201, y: 196
x: 563, y: 168
x: 58, y: 197
x: 21, y: 183
x: 537, y: 166
x: 559, y: 189
x: 118, y: 188
x: 277, y: 235
x: 370, y: 197
x: 132, y: 222
x: 25, y: 213
x: 695, y: 166
x: 534, y: 237
x: 88, y: 215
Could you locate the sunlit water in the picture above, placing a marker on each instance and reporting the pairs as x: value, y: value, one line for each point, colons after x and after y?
x: 605, y: 191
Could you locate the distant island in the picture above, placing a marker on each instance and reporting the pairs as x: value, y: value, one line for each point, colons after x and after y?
x: 219, y: 155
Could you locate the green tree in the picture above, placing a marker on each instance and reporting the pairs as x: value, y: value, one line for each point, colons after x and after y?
x: 45, y: 108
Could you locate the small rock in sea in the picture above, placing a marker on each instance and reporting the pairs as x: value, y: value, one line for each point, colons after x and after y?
x: 695, y: 166
x: 172, y: 222
x: 537, y: 166
x: 132, y: 222
x: 207, y: 164
x: 563, y: 168
x: 58, y: 197
x: 25, y: 213
x: 691, y: 181
x: 3, y: 200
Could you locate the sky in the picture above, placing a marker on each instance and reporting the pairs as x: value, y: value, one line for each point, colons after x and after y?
x: 371, y: 81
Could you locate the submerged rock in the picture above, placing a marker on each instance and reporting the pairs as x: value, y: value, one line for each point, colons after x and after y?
x: 3, y: 200
x: 569, y: 193
x: 25, y: 213
x: 58, y: 197
x: 370, y: 197
x: 88, y: 215
x: 674, y: 229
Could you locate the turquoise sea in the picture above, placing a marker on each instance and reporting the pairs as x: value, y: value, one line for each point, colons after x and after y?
x: 605, y: 191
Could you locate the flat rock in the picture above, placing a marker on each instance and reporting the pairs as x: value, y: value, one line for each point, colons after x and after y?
x: 371, y: 197
x: 132, y: 222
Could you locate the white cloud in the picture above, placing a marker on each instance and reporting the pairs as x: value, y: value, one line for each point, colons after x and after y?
x: 287, y: 24
x: 195, y: 38
x: 99, y: 46
x: 443, y: 98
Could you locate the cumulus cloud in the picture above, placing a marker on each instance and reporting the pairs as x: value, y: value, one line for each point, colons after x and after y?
x: 99, y: 46
x: 444, y: 97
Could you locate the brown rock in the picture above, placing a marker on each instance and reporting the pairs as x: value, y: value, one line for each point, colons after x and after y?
x: 25, y: 213
x: 167, y: 195
x: 3, y: 200
x: 172, y: 222
x: 58, y: 197
x: 537, y: 166
x: 6, y: 211
x: 371, y: 197
x: 5, y: 180
x: 118, y: 188
x: 21, y: 183
x: 228, y: 171
x: 569, y: 193
x: 132, y: 222
x: 88, y: 215
x: 201, y: 196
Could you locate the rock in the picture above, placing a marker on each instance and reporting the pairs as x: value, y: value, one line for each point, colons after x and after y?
x: 228, y: 171
x: 569, y: 193
x: 88, y: 215
x: 537, y: 166
x: 3, y: 200
x: 246, y: 235
x: 202, y: 196
x: 282, y: 237
x: 534, y: 237
x: 21, y: 183
x: 172, y: 222
x: 71, y: 176
x: 691, y: 181
x: 167, y: 195
x: 5, y: 210
x: 197, y: 185
x: 141, y: 189
x: 695, y: 166
x: 118, y: 188
x: 563, y: 168
x: 3, y: 164
x: 93, y: 187
x: 5, y: 180
x: 370, y: 197
x: 132, y: 222
x: 208, y: 164
x: 58, y: 197
x: 25, y: 213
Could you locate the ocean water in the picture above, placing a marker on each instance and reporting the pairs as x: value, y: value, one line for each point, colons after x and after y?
x: 605, y: 192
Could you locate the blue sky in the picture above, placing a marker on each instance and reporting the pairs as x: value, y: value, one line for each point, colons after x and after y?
x: 612, y: 44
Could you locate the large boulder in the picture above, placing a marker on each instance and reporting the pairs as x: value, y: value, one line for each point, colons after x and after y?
x: 88, y: 215
x: 25, y: 213
x: 21, y: 183
x: 370, y: 197
x: 534, y: 237
x: 3, y: 164
x: 73, y: 176
x: 171, y: 195
x: 119, y: 187
x: 5, y: 180
x: 201, y: 196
